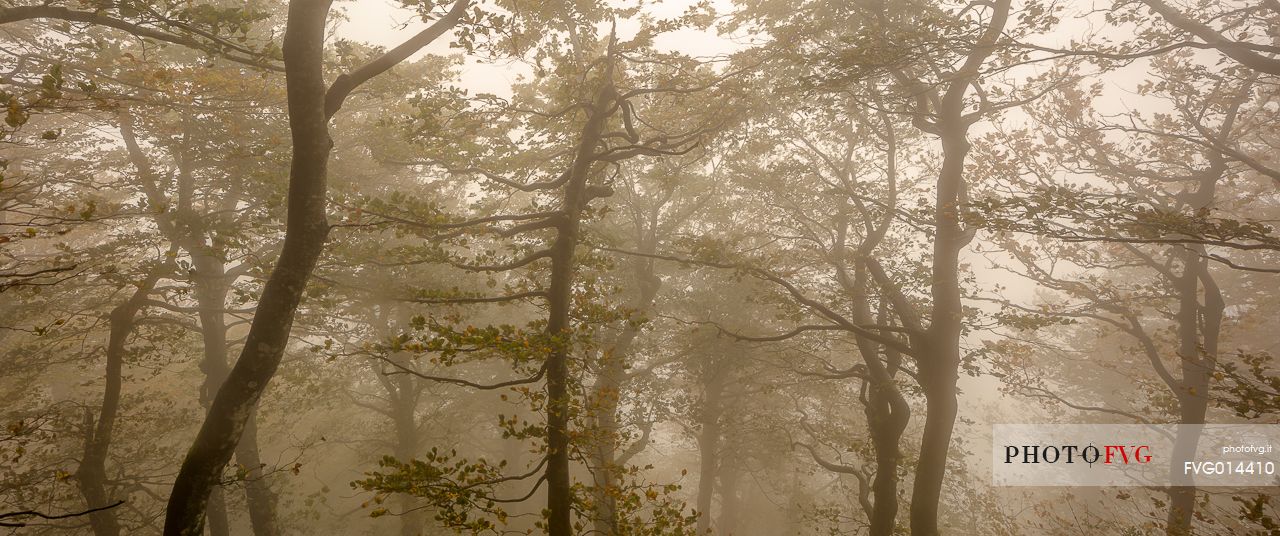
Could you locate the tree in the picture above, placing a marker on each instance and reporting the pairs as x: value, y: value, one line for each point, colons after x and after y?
x: 310, y: 105
x: 1162, y: 199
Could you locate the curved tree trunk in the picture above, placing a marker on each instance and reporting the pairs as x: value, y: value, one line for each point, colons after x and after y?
x: 306, y: 232
x: 946, y: 115
x: 92, y: 472
x: 310, y: 105
x: 886, y: 408
x: 211, y: 288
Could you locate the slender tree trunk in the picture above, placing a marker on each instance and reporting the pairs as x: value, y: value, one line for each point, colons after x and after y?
x: 261, y: 501
x: 886, y: 408
x: 941, y: 407
x: 730, y: 503
x: 218, y: 523
x: 404, y: 409
x: 211, y: 288
x: 92, y: 472
x: 306, y: 232
x: 560, y: 303
x: 708, y: 451
x: 709, y: 447
x: 606, y: 397
x: 887, y: 415
x: 1198, y: 329
x: 939, y: 355
x: 210, y: 294
x: 604, y: 406
x: 214, y: 366
x: 178, y: 236
x: 939, y: 366
x: 211, y: 284
x: 1182, y: 497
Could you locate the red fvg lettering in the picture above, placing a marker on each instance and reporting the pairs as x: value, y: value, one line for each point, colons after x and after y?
x: 1126, y: 452
x: 1111, y: 454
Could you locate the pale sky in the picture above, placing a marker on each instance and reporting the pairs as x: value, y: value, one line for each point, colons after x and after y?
x: 382, y: 23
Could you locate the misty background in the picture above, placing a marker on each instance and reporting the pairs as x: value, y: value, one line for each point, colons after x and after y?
x: 743, y: 267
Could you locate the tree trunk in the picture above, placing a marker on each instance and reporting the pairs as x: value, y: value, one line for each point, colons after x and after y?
x: 939, y: 366
x: 1198, y: 329
x: 709, y: 448
x: 211, y: 287
x: 218, y: 524
x: 941, y: 407
x: 605, y: 398
x: 939, y: 355
x: 404, y: 409
x: 887, y: 415
x: 560, y: 303
x: 260, y: 500
x: 604, y: 407
x: 92, y: 472
x: 306, y: 232
x: 886, y: 409
x: 213, y: 329
x: 730, y: 504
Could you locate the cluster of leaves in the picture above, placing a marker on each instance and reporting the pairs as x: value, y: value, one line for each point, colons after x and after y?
x: 454, y: 488
x: 448, y: 342
x: 1074, y: 215
x: 645, y: 508
x: 1253, y: 510
x: 20, y: 105
x: 1252, y: 387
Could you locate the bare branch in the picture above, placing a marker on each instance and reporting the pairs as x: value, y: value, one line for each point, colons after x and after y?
x: 346, y: 83
x: 457, y: 381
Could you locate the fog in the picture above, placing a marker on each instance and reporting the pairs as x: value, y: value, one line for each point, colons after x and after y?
x: 734, y: 267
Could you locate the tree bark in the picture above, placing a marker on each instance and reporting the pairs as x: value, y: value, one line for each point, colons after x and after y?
x: 212, y: 329
x: 260, y: 500
x: 218, y: 523
x: 605, y: 399
x: 885, y: 407
x: 305, y: 235
x: 211, y: 287
x: 404, y: 406
x: 939, y: 361
x: 604, y: 402
x: 887, y: 414
x: 560, y: 303
x: 1198, y: 329
x: 709, y: 445
x: 92, y: 472
x: 730, y: 503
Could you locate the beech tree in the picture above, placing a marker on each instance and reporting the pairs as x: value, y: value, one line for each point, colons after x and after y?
x: 625, y: 268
